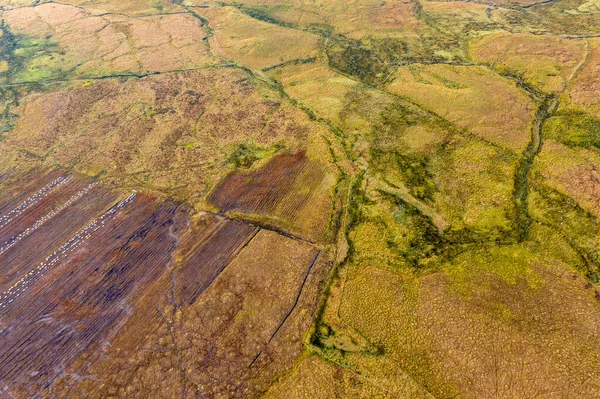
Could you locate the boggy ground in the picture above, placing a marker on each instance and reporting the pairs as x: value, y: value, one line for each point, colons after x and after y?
x: 335, y: 199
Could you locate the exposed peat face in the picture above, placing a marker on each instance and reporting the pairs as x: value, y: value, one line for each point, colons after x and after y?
x: 88, y: 274
x: 288, y: 189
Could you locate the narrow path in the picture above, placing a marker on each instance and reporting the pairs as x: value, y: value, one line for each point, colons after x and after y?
x: 115, y: 76
x: 588, y: 36
x: 265, y: 225
x: 438, y: 220
x: 579, y: 66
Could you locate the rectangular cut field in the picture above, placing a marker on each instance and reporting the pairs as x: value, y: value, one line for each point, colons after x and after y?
x: 290, y: 191
x: 89, y: 275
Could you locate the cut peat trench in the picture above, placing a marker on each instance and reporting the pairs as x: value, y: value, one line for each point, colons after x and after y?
x: 211, y: 258
x: 266, y: 226
x: 297, y: 297
x: 289, y: 313
x: 88, y: 295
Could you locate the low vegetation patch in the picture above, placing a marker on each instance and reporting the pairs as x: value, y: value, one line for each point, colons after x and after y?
x: 574, y: 129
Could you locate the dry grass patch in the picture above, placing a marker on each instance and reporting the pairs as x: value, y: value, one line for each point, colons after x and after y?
x: 547, y: 62
x: 570, y: 17
x: 255, y: 43
x: 573, y: 172
x: 355, y: 19
x: 317, y: 87
x: 473, y: 98
x: 585, y: 88
x: 91, y: 46
x: 500, y: 315
x: 379, y: 19
x: 313, y: 377
x: 459, y: 17
x: 589, y: 7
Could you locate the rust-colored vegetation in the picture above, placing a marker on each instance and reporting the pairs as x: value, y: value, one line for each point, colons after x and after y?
x: 286, y: 189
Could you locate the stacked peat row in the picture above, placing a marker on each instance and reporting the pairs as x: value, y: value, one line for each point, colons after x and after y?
x: 14, y: 240
x: 7, y: 297
x: 28, y: 202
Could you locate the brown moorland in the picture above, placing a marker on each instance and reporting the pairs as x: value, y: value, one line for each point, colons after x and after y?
x: 172, y: 132
x: 334, y: 199
x: 93, y: 46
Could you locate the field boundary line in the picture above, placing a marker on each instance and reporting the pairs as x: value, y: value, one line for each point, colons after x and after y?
x: 286, y: 317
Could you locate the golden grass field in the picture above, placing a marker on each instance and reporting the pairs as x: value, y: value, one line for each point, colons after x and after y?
x: 471, y: 97
x: 547, y: 62
x: 256, y: 44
